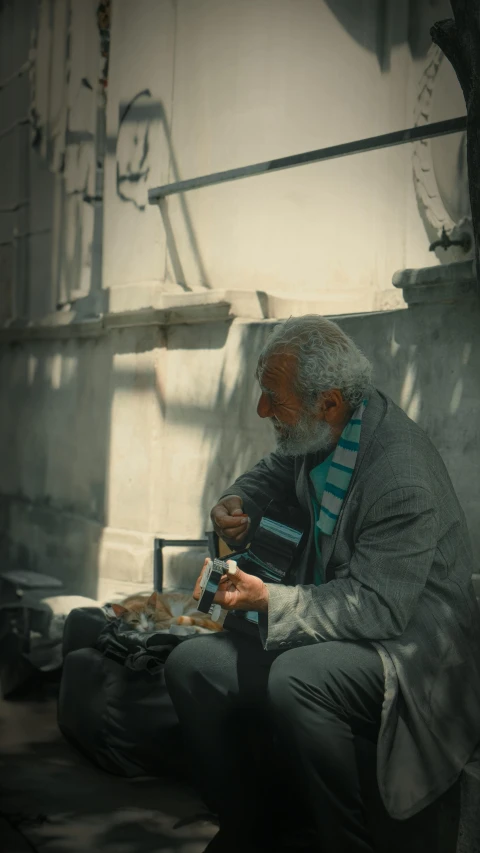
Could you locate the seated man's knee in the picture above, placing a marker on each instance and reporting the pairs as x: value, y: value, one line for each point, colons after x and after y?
x: 301, y: 675
x: 284, y: 683
x: 182, y: 663
x: 196, y: 659
x: 341, y: 679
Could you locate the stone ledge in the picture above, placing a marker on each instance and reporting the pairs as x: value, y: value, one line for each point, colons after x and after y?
x: 445, y: 283
x: 68, y: 324
x: 170, y: 309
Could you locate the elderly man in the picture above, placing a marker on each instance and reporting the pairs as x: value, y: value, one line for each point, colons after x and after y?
x: 364, y: 681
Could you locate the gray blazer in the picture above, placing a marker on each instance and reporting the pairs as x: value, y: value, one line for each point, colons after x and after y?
x: 398, y: 573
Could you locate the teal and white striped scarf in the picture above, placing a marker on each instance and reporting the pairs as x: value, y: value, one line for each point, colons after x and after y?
x: 340, y: 472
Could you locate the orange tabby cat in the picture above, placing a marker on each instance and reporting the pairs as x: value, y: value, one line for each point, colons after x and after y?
x: 158, y: 611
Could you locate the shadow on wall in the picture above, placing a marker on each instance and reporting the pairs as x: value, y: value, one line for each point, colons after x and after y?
x: 428, y: 360
x: 393, y: 24
x: 132, y: 148
x: 72, y: 413
x: 74, y: 428
x: 58, y: 404
x: 243, y: 438
x: 55, y: 428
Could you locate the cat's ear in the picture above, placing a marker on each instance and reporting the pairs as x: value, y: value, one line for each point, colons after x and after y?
x: 152, y: 601
x: 119, y: 610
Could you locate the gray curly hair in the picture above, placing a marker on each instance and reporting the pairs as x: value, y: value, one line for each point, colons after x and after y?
x: 326, y: 358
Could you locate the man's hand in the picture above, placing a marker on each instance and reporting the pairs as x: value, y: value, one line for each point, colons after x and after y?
x: 239, y: 591
x: 229, y: 519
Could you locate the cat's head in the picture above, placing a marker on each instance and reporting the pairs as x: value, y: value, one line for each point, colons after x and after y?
x: 141, y: 615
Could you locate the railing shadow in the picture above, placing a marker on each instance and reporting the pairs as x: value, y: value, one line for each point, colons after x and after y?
x: 131, y: 147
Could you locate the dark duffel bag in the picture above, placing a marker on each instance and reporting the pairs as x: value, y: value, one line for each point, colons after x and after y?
x: 113, y: 702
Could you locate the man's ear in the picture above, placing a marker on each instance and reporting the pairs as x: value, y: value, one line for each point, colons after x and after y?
x: 119, y: 609
x: 333, y: 406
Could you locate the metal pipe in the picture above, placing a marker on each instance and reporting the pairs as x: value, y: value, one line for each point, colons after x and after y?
x: 386, y: 140
x: 15, y: 207
x: 21, y: 121
x: 22, y: 235
x: 16, y: 74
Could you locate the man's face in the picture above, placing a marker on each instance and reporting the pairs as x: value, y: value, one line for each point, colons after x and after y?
x: 297, y: 430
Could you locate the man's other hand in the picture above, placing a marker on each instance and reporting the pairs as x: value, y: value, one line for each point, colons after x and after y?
x: 239, y: 591
x: 229, y: 520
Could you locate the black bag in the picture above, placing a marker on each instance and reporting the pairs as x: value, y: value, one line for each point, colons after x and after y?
x: 139, y: 651
x: 113, y: 702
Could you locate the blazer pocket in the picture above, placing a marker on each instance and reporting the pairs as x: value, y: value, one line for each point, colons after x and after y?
x: 342, y: 571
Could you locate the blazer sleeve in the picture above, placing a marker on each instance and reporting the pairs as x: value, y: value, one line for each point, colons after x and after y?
x: 273, y: 478
x: 387, y: 573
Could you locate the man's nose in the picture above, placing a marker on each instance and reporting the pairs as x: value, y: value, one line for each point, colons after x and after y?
x: 264, y: 408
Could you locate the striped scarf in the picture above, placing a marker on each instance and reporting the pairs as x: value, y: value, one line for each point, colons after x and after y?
x: 340, y: 472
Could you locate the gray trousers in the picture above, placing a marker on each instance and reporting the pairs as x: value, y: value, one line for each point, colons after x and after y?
x: 279, y: 739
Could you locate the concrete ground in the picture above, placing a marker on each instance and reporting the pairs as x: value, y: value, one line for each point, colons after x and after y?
x: 52, y: 800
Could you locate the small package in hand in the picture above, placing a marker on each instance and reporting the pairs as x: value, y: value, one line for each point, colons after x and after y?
x: 211, y: 577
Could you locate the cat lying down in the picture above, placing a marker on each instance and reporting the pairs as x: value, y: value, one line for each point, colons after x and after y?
x: 164, y: 611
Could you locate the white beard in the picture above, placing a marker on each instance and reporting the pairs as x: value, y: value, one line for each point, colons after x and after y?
x: 306, y: 436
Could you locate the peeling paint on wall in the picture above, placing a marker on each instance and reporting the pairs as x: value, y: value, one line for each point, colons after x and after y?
x: 68, y: 105
x: 103, y: 21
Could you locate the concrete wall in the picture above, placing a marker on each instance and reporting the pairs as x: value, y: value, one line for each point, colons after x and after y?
x: 15, y: 33
x: 236, y: 83
x: 313, y: 229
x: 138, y: 149
x: 116, y: 440
x: 198, y: 86
x: 50, y: 106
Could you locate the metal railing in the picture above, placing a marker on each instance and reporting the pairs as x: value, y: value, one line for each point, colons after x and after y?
x: 23, y: 69
x: 372, y: 143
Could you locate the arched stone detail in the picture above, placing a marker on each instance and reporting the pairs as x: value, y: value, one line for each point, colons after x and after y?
x: 432, y: 209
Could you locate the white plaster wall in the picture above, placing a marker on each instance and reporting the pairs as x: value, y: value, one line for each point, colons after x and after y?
x: 54, y: 424
x: 211, y: 428
x: 255, y: 81
x: 198, y: 86
x: 81, y: 435
x: 135, y: 477
x: 141, y: 60
x: 245, y: 82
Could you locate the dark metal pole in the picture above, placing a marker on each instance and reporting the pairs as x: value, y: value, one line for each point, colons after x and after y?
x: 387, y: 140
x: 158, y: 564
x: 159, y: 545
